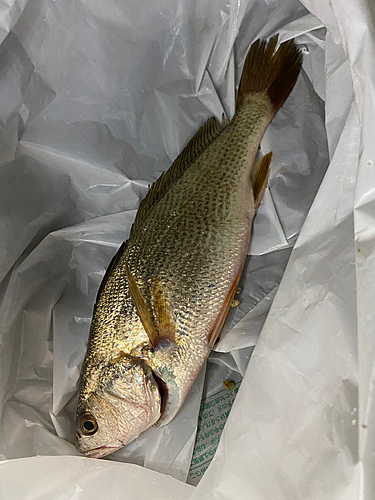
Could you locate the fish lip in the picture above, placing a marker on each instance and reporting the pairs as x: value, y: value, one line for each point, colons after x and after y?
x: 102, y: 451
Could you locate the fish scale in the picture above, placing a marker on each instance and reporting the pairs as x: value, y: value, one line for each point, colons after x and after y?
x: 165, y: 297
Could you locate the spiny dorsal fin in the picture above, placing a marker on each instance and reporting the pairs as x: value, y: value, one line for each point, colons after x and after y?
x: 110, y: 268
x: 224, y: 121
x: 202, y: 139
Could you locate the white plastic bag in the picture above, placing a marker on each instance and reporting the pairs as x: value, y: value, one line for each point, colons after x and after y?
x: 97, y: 100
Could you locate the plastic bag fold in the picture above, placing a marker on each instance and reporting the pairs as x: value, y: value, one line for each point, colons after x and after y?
x: 97, y: 101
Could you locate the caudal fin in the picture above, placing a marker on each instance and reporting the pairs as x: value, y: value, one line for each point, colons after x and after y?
x: 272, y: 72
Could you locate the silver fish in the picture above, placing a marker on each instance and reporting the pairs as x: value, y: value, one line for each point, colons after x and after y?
x: 167, y: 292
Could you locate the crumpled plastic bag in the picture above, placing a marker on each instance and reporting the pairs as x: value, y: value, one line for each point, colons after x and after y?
x: 97, y: 99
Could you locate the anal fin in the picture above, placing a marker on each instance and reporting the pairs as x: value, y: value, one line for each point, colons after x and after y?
x: 260, y: 179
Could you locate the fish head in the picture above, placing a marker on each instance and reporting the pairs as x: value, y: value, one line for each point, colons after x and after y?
x: 124, y: 402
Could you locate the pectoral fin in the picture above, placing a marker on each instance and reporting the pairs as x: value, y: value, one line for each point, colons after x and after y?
x: 162, y: 334
x: 164, y: 314
x: 223, y: 313
x: 142, y: 311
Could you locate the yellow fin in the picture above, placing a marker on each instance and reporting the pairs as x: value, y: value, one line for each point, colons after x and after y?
x: 261, y: 179
x: 164, y: 315
x: 201, y: 140
x: 143, y: 312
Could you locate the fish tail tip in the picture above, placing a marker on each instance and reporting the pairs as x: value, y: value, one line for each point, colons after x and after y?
x: 270, y: 71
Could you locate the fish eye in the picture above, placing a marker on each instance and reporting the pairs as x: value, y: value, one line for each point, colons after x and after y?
x: 87, y: 424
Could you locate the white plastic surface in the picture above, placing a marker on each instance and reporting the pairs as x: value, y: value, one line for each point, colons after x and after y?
x: 77, y: 477
x: 97, y: 99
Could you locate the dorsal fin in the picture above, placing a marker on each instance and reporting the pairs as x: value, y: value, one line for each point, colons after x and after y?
x: 110, y: 268
x: 201, y: 140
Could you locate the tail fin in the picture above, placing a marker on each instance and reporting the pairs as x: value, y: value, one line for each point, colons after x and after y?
x: 272, y: 72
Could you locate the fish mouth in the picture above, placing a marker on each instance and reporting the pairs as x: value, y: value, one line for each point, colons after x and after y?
x: 102, y: 451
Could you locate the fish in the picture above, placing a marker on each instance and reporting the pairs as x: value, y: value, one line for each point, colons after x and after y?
x: 166, y: 294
